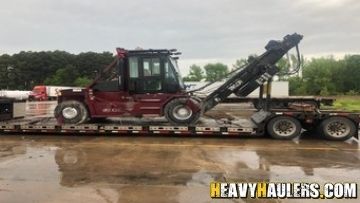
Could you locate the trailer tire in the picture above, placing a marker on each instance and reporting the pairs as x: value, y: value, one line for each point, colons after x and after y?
x: 71, y: 112
x: 337, y: 128
x: 177, y: 112
x: 284, y: 127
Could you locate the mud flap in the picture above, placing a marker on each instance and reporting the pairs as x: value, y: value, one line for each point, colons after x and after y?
x: 260, y: 116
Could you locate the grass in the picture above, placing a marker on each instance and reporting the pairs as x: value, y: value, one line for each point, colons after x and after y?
x: 348, y: 103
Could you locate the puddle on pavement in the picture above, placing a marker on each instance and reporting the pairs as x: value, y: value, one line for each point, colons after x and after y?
x: 145, y: 169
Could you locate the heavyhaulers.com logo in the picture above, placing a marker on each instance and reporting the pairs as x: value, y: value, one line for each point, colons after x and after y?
x: 283, y: 190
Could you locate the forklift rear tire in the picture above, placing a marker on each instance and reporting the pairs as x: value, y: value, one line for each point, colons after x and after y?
x: 177, y: 112
x: 284, y: 128
x: 71, y: 112
x: 337, y: 128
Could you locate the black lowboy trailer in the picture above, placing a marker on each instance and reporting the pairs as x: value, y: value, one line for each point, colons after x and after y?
x: 186, y: 114
x: 280, y: 124
x: 285, y: 123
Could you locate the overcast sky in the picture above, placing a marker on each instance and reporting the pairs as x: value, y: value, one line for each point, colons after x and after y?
x: 203, y: 30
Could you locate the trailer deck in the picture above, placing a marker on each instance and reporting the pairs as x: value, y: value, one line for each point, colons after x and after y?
x: 208, y: 125
x: 129, y: 126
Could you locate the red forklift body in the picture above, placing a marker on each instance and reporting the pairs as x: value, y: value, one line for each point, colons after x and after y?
x: 138, y: 83
x: 148, y: 82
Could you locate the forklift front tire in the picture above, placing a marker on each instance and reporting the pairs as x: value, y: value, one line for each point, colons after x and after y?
x: 71, y: 112
x: 178, y: 112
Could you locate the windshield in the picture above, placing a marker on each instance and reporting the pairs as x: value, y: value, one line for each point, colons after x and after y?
x: 108, y: 74
x: 178, y: 75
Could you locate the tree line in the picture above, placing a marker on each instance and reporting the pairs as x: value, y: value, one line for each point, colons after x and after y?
x: 24, y: 70
x: 328, y: 76
x: 318, y: 76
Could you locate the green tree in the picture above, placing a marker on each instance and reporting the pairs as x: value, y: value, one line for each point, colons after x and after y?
x: 49, y: 67
x: 215, y: 71
x: 297, y: 86
x: 350, y: 79
x: 319, y: 76
x: 196, y: 74
x: 82, y: 81
x: 32, y: 68
x: 63, y: 76
x: 89, y: 62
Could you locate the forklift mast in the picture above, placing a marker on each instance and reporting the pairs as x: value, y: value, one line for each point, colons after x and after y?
x: 245, y: 80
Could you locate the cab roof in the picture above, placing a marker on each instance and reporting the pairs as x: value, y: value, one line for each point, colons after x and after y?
x: 150, y: 52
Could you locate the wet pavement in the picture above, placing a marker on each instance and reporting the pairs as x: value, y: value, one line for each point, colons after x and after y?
x: 162, y: 169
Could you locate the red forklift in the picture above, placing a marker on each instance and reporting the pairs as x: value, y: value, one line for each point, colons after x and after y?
x: 137, y: 83
x: 141, y: 83
x: 148, y: 83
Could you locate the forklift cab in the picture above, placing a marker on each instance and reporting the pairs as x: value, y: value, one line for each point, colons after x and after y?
x: 138, y: 83
x: 153, y: 73
x: 141, y: 73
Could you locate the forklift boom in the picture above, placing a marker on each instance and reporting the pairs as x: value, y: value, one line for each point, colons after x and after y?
x: 253, y: 75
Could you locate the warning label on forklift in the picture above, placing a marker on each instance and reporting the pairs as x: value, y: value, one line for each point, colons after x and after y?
x: 283, y: 190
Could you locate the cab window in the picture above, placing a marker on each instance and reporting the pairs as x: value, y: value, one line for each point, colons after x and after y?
x: 134, y: 67
x: 152, y: 75
x: 151, y: 67
x: 109, y: 80
x: 171, y: 80
x: 169, y: 73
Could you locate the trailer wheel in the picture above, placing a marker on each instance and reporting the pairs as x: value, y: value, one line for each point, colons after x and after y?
x: 178, y: 112
x: 284, y: 127
x: 337, y: 128
x: 71, y: 112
